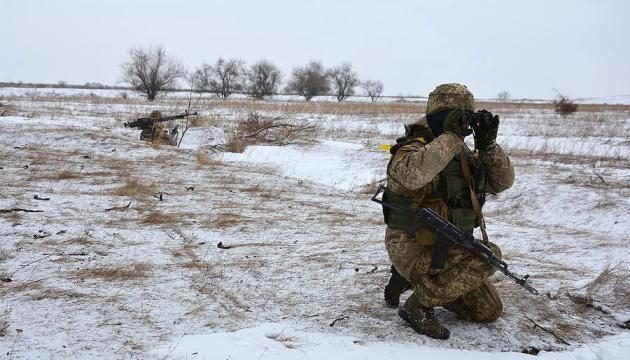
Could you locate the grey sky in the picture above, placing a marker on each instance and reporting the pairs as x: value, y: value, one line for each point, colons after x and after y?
x: 524, y: 47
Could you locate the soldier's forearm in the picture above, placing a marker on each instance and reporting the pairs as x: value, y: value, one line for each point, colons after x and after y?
x: 499, y: 169
x: 417, y: 168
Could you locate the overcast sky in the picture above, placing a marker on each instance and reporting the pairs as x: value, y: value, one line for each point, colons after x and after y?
x: 525, y: 47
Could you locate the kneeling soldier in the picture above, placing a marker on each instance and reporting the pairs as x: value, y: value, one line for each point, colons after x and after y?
x: 432, y: 167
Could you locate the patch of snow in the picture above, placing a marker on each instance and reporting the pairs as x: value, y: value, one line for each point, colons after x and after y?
x: 333, y: 163
x: 196, y: 138
x: 278, y: 342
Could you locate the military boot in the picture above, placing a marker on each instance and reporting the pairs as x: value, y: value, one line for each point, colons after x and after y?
x: 422, y: 319
x: 395, y: 287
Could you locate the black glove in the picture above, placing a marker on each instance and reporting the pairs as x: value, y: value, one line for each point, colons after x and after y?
x: 453, y: 123
x: 486, y: 130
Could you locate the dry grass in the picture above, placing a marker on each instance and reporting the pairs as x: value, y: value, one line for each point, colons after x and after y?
x: 252, y: 189
x: 234, y: 144
x: 56, y: 294
x: 158, y: 218
x: 370, y: 188
x: 17, y: 287
x: 193, y: 265
x: 225, y: 220
x: 203, y: 121
x: 66, y: 175
x: 416, y: 105
x: 134, y: 188
x: 79, y: 240
x: 114, y: 273
x: 608, y: 275
x: 203, y: 159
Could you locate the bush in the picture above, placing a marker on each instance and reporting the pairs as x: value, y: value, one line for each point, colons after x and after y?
x: 565, y: 106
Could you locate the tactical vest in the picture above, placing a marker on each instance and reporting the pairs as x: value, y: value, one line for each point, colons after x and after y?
x: 451, y: 199
x: 455, y: 193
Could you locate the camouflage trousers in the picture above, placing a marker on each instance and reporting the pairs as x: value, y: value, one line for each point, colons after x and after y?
x: 461, y: 286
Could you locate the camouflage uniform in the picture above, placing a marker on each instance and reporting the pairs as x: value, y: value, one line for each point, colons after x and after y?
x: 426, y: 174
x: 156, y: 134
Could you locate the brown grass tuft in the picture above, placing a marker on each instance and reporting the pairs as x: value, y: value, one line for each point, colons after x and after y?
x: 121, y: 273
x: 133, y: 188
x: 157, y: 217
x: 370, y: 188
x: 193, y: 264
x: 66, y: 174
x: 225, y: 220
x: 234, y: 144
x: 56, y: 294
x: 203, y: 159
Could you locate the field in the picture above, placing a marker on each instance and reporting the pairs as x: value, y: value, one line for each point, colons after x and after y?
x: 112, y: 247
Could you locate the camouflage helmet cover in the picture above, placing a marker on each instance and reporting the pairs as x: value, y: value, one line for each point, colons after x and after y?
x: 155, y: 114
x: 450, y: 96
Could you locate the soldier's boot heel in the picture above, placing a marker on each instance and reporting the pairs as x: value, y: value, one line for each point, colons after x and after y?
x: 422, y: 319
x: 395, y: 287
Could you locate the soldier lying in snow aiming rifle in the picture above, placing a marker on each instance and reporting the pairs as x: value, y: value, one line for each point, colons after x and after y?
x: 152, y: 129
x: 436, y: 188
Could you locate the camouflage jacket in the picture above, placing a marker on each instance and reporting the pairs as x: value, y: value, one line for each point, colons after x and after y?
x: 414, y: 172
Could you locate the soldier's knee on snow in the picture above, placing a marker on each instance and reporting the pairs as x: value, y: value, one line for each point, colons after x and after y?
x: 487, y: 304
x: 490, y: 314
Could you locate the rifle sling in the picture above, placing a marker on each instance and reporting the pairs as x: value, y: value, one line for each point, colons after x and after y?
x: 473, y: 197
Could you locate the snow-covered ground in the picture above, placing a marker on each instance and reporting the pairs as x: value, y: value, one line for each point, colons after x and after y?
x: 123, y: 259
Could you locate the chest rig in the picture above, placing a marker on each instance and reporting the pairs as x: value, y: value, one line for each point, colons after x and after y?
x: 457, y: 194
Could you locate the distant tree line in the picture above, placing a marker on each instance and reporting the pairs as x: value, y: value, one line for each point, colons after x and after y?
x: 151, y: 71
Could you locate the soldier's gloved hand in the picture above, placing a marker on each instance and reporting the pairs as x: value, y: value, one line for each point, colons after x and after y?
x: 453, y: 123
x: 486, y: 131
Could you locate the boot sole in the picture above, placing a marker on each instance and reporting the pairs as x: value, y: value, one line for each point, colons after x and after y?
x: 405, y: 316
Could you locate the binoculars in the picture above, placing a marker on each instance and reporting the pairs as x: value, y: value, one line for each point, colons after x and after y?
x: 478, y: 119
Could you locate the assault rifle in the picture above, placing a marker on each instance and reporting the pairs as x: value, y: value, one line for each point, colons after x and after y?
x: 147, y: 123
x: 449, y: 234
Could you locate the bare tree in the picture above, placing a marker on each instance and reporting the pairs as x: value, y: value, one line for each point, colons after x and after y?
x: 262, y: 79
x: 373, y: 89
x: 503, y: 95
x: 223, y: 78
x: 150, y: 71
x: 309, y: 81
x: 344, y: 80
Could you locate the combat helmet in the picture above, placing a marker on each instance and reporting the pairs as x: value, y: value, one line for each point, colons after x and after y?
x: 450, y: 96
x: 155, y: 114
